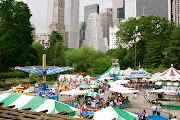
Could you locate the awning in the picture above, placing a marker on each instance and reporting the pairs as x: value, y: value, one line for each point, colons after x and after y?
x: 167, y: 83
x: 73, y: 92
x: 92, y: 94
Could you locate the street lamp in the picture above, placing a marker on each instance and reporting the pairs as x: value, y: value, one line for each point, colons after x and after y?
x: 143, y: 10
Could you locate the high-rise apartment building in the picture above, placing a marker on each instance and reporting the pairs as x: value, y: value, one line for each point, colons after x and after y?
x: 72, y: 22
x: 87, y: 11
x: 118, y: 9
x: 81, y: 32
x: 135, y: 8
x: 58, y: 20
x: 90, y: 9
x: 94, y: 34
x: 175, y: 11
x: 106, y: 21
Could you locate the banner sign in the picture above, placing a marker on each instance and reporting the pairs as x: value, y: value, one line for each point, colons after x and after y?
x: 138, y: 73
x: 45, y: 44
x: 115, y: 61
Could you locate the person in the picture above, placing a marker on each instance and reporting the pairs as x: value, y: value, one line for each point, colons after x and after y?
x: 170, y: 117
x: 154, y: 109
x: 135, y: 96
x: 174, y: 118
x: 107, y: 102
x: 159, y: 110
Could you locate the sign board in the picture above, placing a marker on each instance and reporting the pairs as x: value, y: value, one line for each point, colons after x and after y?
x: 45, y: 44
x: 115, y: 61
x: 138, y: 73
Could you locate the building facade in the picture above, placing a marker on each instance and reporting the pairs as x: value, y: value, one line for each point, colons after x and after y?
x: 175, y: 11
x: 136, y: 8
x: 118, y: 9
x: 106, y: 21
x: 87, y: 11
x: 72, y: 22
x: 58, y: 20
x: 94, y: 34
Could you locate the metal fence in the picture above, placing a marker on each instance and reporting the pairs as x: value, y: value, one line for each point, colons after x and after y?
x: 139, y: 110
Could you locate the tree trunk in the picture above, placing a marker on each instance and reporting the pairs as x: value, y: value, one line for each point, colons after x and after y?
x: 0, y: 59
x: 135, y: 55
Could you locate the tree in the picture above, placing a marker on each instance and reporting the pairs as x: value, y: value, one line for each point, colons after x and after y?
x: 128, y: 32
x: 55, y: 52
x: 153, y: 33
x: 82, y: 59
x: 173, y: 53
x: 102, y: 64
x: 15, y: 34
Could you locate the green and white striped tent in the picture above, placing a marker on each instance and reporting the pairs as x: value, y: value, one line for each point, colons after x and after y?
x: 112, y: 112
x: 113, y: 70
x: 36, y: 104
x: 167, y: 83
x: 92, y: 94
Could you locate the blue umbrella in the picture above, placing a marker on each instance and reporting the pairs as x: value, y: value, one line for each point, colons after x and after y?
x: 83, y: 86
x: 155, y: 117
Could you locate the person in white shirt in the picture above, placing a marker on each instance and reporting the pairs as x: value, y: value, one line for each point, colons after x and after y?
x: 174, y: 118
x: 154, y: 107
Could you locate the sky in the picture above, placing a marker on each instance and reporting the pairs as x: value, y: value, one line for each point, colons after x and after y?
x: 38, y: 10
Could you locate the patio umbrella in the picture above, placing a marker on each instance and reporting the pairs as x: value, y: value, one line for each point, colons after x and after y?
x: 83, y: 86
x: 36, y: 104
x: 93, y: 86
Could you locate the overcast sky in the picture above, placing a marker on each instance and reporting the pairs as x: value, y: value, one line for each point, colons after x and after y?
x: 39, y: 10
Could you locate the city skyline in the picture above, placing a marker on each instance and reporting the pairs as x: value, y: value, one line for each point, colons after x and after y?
x: 39, y: 11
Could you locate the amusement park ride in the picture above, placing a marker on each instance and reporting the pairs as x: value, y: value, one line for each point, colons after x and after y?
x: 43, y: 70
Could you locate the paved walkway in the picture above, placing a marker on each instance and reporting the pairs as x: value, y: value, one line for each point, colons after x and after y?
x: 140, y: 103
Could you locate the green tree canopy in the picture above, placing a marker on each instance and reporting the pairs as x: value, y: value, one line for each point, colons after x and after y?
x: 173, y: 53
x: 15, y: 34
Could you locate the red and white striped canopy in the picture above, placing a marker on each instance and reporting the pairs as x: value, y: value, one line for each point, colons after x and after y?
x: 170, y: 74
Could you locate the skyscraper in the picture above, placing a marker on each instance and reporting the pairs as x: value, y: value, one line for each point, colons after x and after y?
x: 58, y: 20
x: 175, y: 11
x: 94, y: 34
x: 135, y: 8
x: 87, y: 11
x: 106, y: 21
x: 118, y: 9
x: 72, y: 22
x: 90, y: 9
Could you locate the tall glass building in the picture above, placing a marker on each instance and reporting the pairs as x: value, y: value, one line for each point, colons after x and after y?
x: 72, y: 22
x: 152, y: 7
x: 135, y: 8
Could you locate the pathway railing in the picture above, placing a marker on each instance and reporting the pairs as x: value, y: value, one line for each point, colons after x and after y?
x: 139, y: 110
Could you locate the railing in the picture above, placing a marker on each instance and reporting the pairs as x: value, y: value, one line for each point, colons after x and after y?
x: 139, y: 110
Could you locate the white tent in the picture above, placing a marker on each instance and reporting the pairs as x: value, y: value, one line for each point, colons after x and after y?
x: 110, y: 113
x: 124, y: 90
x: 74, y: 92
x: 162, y: 91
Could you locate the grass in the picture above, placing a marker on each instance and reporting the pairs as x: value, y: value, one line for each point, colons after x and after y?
x: 15, y: 80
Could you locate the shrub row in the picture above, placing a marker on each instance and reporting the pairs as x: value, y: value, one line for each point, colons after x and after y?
x: 14, y: 74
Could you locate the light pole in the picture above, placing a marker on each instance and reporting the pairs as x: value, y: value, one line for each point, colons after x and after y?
x: 143, y: 10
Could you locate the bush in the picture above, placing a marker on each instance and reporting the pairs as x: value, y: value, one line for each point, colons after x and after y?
x: 19, y: 74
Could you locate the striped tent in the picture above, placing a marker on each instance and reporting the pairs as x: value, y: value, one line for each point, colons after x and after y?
x: 36, y: 104
x: 113, y: 70
x: 170, y: 74
x: 110, y: 113
x: 117, y: 71
x: 167, y: 83
x: 92, y: 94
